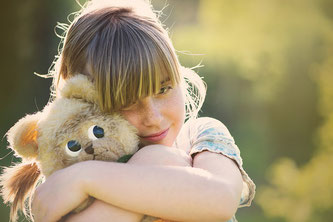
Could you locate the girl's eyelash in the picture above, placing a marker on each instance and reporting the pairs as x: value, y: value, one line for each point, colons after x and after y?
x: 165, y: 89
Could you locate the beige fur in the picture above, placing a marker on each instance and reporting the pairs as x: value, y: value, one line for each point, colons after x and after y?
x: 42, y: 138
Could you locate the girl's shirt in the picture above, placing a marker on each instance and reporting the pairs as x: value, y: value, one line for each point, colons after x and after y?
x: 206, y: 133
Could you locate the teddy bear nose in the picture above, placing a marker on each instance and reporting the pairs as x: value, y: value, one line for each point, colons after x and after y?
x: 89, y: 149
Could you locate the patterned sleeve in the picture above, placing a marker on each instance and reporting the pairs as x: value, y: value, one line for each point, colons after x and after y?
x: 211, y: 135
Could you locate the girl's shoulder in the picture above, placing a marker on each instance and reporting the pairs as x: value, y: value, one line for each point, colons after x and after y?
x: 199, y: 129
x: 206, y: 125
x: 205, y: 128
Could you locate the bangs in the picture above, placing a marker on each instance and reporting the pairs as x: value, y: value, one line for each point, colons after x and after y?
x: 134, y: 64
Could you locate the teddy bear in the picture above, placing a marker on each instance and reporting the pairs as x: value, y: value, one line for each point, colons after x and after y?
x: 69, y: 129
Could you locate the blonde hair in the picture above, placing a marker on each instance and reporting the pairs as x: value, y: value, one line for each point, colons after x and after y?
x: 126, y: 51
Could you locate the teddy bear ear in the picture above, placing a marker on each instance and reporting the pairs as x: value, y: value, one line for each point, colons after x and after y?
x: 22, y: 137
x: 79, y: 87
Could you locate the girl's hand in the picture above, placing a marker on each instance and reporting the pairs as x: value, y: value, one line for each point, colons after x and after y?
x: 62, y: 192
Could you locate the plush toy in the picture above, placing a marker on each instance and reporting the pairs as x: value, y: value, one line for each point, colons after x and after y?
x: 68, y: 130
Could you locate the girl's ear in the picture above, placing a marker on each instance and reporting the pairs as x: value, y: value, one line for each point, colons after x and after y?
x: 22, y: 137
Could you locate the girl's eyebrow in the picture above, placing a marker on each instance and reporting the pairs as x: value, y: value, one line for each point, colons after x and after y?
x: 165, y: 80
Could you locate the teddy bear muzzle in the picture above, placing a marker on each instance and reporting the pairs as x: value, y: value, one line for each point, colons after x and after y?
x: 89, y: 149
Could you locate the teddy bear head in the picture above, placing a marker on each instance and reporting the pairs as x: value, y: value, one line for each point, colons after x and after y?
x: 68, y: 130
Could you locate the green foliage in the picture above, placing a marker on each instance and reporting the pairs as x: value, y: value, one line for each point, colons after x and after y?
x: 302, y: 194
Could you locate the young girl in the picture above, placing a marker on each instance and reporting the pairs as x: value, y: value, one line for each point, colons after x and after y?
x: 183, y: 172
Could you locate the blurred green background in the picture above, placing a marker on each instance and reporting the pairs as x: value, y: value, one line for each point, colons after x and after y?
x: 268, y: 65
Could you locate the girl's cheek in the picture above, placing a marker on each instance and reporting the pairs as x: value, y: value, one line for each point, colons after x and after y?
x: 179, y: 101
x: 131, y: 117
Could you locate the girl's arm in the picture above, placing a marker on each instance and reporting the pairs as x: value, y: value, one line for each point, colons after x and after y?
x: 101, y: 211
x: 209, y: 191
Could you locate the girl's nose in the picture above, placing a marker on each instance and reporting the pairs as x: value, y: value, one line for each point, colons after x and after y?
x: 151, y: 112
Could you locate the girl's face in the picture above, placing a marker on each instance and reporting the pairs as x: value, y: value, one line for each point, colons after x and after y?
x: 158, y: 118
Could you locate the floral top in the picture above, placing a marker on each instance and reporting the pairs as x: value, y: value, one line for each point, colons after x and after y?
x: 206, y: 133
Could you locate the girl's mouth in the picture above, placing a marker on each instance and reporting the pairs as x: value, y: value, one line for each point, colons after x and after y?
x: 157, y: 136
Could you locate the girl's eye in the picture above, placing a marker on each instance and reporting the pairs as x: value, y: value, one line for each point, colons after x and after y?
x: 95, y: 132
x: 164, y: 89
x: 73, y: 148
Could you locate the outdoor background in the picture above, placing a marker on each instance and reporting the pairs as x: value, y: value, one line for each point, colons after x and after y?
x: 268, y: 65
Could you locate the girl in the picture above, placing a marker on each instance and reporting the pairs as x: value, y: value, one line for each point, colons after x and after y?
x: 183, y: 172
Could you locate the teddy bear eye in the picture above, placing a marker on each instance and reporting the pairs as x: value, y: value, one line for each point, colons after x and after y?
x: 73, y: 148
x: 95, y: 132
